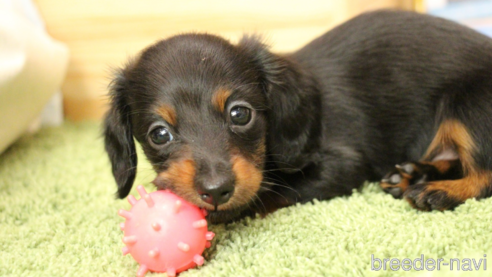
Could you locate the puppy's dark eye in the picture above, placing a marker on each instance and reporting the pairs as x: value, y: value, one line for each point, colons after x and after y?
x: 160, y: 135
x: 240, y: 115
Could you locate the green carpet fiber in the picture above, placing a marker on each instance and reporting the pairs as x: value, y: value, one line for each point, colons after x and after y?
x: 58, y: 217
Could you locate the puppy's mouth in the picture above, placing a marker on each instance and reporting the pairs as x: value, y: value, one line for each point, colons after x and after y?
x: 179, y: 178
x: 224, y: 213
x: 235, y: 205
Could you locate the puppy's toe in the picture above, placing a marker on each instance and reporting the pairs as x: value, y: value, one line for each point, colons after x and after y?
x: 406, y: 168
x: 417, y: 197
x: 404, y: 175
x: 395, y: 184
x: 427, y: 197
x: 396, y: 192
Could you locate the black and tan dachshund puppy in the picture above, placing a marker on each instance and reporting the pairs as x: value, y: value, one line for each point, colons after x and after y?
x: 237, y: 129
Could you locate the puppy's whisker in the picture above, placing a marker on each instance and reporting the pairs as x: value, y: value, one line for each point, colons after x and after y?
x: 276, y: 192
x: 268, y: 155
x: 278, y: 178
x: 261, y: 202
x: 273, y: 180
x: 281, y: 170
x: 276, y: 169
x: 279, y: 185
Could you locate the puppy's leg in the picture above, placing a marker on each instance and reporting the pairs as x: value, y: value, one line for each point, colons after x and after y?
x: 444, y: 195
x: 443, y: 185
x: 397, y: 181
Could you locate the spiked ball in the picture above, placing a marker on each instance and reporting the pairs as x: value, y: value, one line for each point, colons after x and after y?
x: 164, y: 233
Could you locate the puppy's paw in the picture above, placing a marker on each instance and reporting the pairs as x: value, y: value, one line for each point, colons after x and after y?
x: 397, y: 181
x: 431, y: 196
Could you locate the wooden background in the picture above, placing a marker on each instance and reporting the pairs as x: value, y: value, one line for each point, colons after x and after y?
x: 102, y: 34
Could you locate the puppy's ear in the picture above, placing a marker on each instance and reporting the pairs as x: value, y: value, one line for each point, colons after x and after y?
x: 294, y: 114
x: 118, y: 137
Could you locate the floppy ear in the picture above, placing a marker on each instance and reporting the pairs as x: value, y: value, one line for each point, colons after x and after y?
x: 118, y: 138
x: 294, y: 114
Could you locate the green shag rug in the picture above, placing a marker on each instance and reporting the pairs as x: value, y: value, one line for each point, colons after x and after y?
x: 58, y: 217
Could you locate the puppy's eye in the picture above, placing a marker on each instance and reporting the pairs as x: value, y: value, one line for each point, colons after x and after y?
x: 160, y: 135
x: 240, y: 115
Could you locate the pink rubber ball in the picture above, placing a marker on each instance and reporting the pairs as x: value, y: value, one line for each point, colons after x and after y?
x: 164, y: 233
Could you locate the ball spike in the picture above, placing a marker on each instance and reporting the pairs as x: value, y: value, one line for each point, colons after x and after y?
x: 198, y: 259
x: 129, y: 240
x: 141, y: 190
x: 177, y: 206
x: 125, y: 250
x: 122, y: 226
x: 183, y: 247
x: 209, y: 235
x: 208, y: 244
x: 200, y: 224
x: 132, y: 200
x: 171, y: 272
x: 125, y: 214
x: 148, y: 199
x: 145, y: 196
x: 156, y: 226
x: 142, y: 270
x: 154, y: 253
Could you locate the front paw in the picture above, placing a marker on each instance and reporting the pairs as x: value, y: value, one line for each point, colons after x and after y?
x: 431, y: 196
x: 397, y: 181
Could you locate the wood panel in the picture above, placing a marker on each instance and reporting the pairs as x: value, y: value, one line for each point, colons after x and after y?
x: 103, y: 33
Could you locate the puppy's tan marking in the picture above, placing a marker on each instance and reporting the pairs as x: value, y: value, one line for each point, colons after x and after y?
x: 442, y: 165
x: 168, y: 114
x: 259, y: 154
x: 180, y: 176
x: 219, y: 99
x: 462, y: 189
x: 248, y: 176
x: 453, y: 134
x: 403, y: 185
x: 248, y: 182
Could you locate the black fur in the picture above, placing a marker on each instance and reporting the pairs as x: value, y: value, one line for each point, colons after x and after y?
x: 343, y: 109
x: 118, y: 138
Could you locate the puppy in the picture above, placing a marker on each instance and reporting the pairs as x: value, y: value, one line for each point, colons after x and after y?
x: 239, y: 130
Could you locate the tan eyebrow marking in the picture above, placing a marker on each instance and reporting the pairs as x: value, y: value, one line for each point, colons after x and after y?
x: 219, y: 98
x: 168, y: 113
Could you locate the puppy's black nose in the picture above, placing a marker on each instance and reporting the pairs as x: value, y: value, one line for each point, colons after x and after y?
x: 216, y: 192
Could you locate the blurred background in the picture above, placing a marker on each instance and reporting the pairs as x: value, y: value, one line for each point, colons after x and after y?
x: 56, y: 55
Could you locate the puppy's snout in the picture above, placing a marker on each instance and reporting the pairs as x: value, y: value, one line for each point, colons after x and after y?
x: 216, y: 191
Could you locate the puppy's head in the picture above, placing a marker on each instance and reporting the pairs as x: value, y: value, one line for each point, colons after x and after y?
x: 200, y: 108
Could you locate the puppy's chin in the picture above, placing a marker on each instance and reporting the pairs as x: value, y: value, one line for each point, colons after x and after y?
x: 228, y: 216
